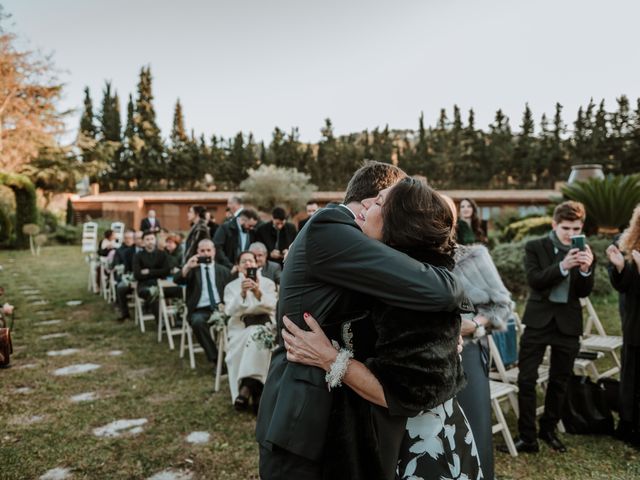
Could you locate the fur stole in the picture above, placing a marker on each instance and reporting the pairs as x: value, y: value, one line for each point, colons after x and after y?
x: 482, y: 284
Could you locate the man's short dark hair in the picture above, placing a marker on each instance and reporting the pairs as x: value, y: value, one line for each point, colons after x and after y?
x: 312, y: 202
x: 370, y: 179
x: 146, y: 233
x: 278, y: 213
x: 249, y: 213
x: 569, y: 211
x: 199, y: 210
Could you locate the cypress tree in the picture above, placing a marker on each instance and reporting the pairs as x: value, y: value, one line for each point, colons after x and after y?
x: 524, y: 152
x: 500, y: 149
x: 620, y: 134
x: 87, y: 126
x: 178, y: 134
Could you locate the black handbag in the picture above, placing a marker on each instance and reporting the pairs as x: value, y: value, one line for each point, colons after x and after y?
x: 586, y: 410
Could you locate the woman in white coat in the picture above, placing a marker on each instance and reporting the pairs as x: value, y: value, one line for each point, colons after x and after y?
x: 250, y: 301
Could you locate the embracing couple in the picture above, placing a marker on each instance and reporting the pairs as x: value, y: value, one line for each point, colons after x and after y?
x: 363, y: 383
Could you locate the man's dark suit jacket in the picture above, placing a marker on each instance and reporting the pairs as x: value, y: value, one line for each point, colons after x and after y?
x: 156, y: 261
x: 542, y: 265
x: 145, y: 224
x: 228, y: 244
x: 272, y: 271
x: 194, y: 282
x: 330, y: 263
x: 268, y: 235
x: 124, y: 256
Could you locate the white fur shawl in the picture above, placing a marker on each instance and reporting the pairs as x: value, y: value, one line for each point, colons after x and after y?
x: 482, y: 284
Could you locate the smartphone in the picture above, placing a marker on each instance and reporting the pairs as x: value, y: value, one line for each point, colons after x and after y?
x: 204, y: 259
x: 579, y: 242
x: 252, y: 273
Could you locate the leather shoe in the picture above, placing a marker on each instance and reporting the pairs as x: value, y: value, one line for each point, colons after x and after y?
x: 521, y: 446
x: 552, y: 440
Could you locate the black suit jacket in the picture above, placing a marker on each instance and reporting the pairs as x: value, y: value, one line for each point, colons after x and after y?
x: 194, y: 282
x: 542, y: 266
x: 331, y: 266
x: 124, y: 256
x: 227, y: 243
x: 156, y: 261
x: 268, y: 235
x: 145, y: 225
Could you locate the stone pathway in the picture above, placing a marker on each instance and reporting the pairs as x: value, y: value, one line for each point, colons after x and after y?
x: 62, y: 353
x: 54, y: 335
x: 76, y: 369
x: 171, y: 474
x: 56, y: 474
x: 119, y: 428
x: 198, y: 437
x: 84, y: 397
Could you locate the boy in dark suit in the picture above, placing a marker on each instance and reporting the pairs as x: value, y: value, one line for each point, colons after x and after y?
x: 558, y: 276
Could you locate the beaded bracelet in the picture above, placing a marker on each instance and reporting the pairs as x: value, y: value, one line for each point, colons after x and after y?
x: 338, y: 368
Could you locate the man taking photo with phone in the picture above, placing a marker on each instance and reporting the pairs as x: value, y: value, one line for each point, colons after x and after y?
x: 205, y: 281
x: 558, y: 275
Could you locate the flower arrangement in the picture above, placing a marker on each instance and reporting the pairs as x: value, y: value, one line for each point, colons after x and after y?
x: 265, y: 336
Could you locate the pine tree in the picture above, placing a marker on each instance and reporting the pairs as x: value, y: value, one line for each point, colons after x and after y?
x: 620, y: 135
x: 178, y: 134
x: 128, y: 169
x: 499, y: 150
x: 631, y: 163
x: 87, y: 125
x: 524, y: 159
x: 151, y: 157
x: 110, y: 141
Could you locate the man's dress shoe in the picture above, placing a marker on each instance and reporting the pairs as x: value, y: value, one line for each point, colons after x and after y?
x: 552, y: 440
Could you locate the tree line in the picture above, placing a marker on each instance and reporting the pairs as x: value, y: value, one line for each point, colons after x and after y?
x: 454, y: 153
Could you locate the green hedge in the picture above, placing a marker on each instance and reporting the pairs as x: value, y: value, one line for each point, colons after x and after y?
x: 527, y: 227
x: 26, y: 209
x: 509, y: 259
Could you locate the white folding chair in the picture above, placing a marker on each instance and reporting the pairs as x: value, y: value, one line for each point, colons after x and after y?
x: 167, y: 315
x: 118, y: 229
x: 186, y: 342
x: 222, y: 350
x: 500, y: 391
x: 105, y: 279
x: 600, y: 342
x: 139, y: 315
x: 90, y: 248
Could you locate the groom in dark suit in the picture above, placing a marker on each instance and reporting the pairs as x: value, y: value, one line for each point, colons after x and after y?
x: 333, y: 269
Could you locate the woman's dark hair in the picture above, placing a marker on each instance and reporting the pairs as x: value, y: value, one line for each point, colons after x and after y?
x: 476, y: 224
x: 107, y: 233
x: 246, y: 252
x: 199, y: 210
x: 415, y: 215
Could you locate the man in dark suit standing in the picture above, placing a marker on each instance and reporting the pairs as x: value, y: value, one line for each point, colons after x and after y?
x: 235, y: 236
x: 277, y: 235
x: 205, y: 281
x: 150, y: 223
x: 558, y: 276
x: 333, y: 269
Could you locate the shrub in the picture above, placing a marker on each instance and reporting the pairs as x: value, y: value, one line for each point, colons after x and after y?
x: 509, y: 259
x: 270, y: 186
x: 609, y: 201
x: 527, y: 227
x: 5, y: 226
x: 68, y: 234
x: 48, y: 221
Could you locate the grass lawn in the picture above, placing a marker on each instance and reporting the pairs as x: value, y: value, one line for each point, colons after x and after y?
x: 41, y: 428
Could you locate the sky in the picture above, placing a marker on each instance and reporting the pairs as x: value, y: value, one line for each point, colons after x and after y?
x: 251, y: 65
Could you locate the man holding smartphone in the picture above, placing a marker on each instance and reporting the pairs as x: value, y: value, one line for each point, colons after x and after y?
x: 205, y: 281
x: 559, y: 272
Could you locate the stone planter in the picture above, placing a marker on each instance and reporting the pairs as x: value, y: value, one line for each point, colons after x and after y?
x: 580, y: 173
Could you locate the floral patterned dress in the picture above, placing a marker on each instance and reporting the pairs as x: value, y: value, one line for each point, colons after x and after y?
x: 438, y: 444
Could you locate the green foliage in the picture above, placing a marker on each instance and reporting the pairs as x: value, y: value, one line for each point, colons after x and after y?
x: 270, y: 186
x: 70, y: 214
x: 5, y: 225
x: 610, y: 201
x: 26, y: 209
x: 48, y: 221
x: 68, y: 234
x: 527, y: 227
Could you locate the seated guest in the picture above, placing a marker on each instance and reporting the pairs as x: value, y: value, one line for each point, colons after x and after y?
x: 268, y: 269
x: 150, y: 223
x: 171, y: 246
x: 205, y: 281
x: 250, y: 302
x: 108, y: 244
x: 312, y: 207
x: 469, y: 228
x: 124, y: 256
x: 277, y: 235
x: 150, y: 265
x: 199, y: 231
x: 138, y: 241
x: 235, y: 236
x: 211, y: 224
